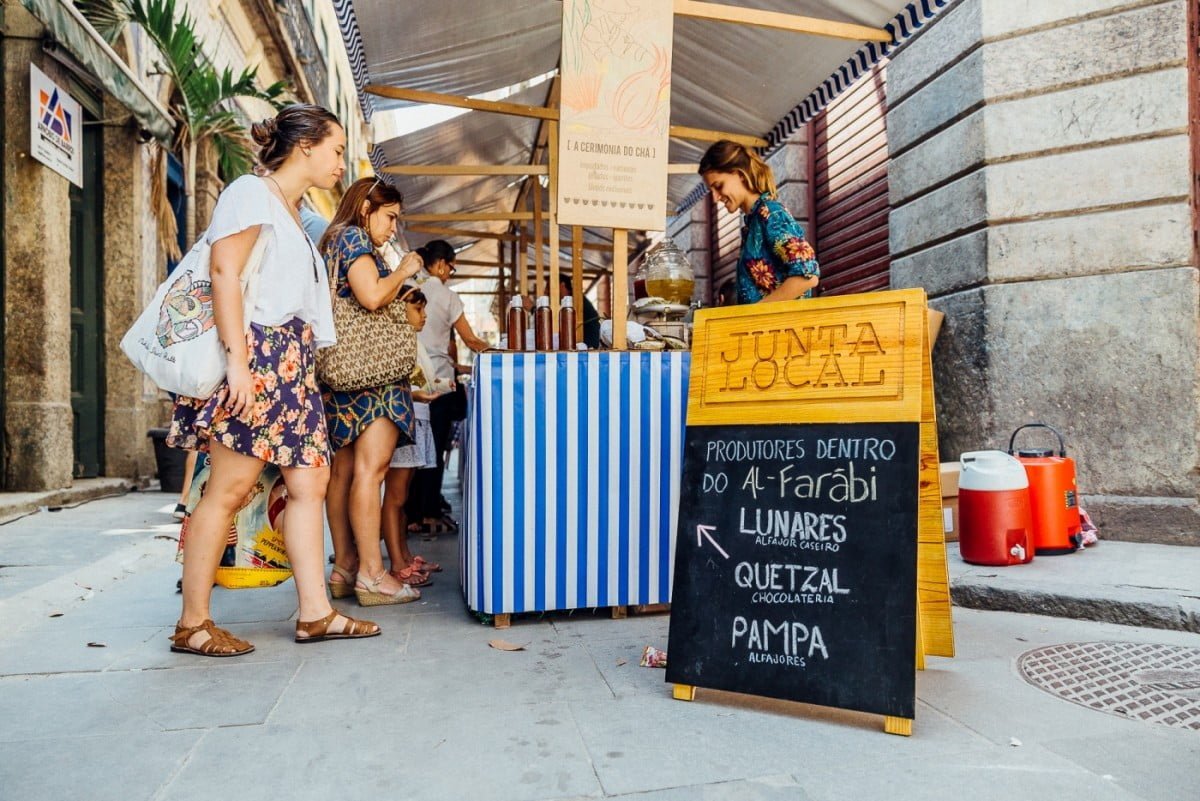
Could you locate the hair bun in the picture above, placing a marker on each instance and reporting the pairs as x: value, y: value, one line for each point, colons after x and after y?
x: 264, y: 132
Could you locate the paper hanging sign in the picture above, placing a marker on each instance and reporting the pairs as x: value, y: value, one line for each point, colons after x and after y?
x: 615, y: 113
x: 55, y: 127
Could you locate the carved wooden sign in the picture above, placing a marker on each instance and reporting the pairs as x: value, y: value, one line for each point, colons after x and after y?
x: 825, y: 360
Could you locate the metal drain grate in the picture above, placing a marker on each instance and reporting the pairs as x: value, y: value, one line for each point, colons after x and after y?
x: 1144, y: 681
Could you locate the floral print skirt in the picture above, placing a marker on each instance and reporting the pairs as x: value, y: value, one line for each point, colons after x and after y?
x: 349, y: 413
x: 286, y: 424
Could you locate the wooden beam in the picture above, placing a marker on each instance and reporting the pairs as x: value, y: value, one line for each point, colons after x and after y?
x: 502, y: 288
x: 605, y: 247
x: 705, y: 135
x: 682, y: 169
x: 539, y: 257
x: 577, y: 278
x: 552, y: 154
x: 485, y: 272
x: 620, y: 287
x: 541, y: 113
x: 522, y: 273
x: 460, y: 101
x: 437, y: 230
x: 467, y: 169
x: 781, y: 21
x: 474, y: 263
x: 469, y: 216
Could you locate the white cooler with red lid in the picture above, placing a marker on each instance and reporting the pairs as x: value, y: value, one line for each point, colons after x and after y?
x: 995, y: 521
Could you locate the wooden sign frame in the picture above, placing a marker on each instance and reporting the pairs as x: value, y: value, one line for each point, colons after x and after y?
x: 839, y: 369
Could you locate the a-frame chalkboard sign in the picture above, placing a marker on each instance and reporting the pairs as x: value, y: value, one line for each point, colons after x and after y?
x: 809, y: 505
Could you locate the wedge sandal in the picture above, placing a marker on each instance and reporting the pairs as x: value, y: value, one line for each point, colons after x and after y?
x: 343, y: 588
x: 370, y: 592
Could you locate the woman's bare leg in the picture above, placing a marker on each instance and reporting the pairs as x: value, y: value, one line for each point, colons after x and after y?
x: 304, y: 536
x: 231, y: 479
x: 394, y: 524
x: 372, y: 452
x: 337, y: 508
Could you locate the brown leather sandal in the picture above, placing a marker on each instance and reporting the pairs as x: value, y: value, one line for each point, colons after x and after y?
x: 219, y: 643
x: 318, y: 630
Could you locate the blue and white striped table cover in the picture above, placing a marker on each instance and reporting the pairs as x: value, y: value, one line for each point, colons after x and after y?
x: 571, y: 481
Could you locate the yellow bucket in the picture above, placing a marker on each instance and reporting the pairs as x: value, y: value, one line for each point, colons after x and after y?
x: 244, y: 578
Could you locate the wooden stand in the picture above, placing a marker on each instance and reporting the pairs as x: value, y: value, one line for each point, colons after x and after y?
x: 935, y: 632
x: 684, y: 692
x: 891, y: 725
x: 898, y: 325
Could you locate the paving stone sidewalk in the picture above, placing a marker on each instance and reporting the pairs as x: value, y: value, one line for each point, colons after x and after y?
x: 428, y: 711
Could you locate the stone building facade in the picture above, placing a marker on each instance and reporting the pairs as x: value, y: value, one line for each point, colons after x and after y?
x: 1043, y: 193
x: 1043, y: 190
x: 78, y: 266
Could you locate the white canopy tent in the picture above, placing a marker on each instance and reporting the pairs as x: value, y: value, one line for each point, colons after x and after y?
x: 726, y: 77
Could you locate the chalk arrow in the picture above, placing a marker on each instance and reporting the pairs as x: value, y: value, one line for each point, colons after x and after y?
x: 704, y: 532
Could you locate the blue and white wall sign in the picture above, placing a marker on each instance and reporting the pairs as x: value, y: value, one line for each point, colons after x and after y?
x: 55, y: 127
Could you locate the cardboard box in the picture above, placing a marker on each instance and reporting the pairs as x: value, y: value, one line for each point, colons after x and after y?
x: 949, y: 480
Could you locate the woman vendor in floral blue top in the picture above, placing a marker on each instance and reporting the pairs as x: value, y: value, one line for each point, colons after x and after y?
x: 776, y: 263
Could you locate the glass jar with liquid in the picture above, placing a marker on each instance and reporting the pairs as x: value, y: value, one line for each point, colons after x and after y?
x: 669, y: 274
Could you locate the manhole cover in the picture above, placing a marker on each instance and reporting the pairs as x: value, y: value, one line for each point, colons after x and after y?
x: 1154, y: 683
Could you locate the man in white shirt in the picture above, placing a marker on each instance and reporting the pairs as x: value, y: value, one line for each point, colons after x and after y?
x: 444, y: 318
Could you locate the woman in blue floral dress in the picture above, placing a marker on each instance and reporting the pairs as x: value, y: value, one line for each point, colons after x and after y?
x: 776, y: 262
x: 367, y: 425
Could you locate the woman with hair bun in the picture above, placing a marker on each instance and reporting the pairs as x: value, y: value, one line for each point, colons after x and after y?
x: 268, y: 409
x: 776, y: 262
x: 365, y: 426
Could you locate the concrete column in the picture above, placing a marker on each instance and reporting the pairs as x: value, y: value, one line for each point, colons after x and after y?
x: 1039, y: 190
x: 132, y: 270
x: 37, y: 272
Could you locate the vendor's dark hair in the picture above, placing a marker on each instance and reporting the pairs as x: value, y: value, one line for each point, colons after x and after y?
x: 436, y: 249
x: 565, y: 280
x: 349, y: 211
x: 727, y: 156
x: 297, y: 125
x: 727, y: 293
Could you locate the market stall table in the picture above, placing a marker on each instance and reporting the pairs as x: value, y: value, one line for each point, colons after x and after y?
x: 571, y: 479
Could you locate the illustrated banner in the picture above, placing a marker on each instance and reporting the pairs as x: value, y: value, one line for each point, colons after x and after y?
x: 55, y: 127
x: 615, y: 113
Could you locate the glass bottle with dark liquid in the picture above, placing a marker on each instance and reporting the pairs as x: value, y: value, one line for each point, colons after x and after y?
x: 543, y: 324
x: 516, y: 323
x: 566, y: 324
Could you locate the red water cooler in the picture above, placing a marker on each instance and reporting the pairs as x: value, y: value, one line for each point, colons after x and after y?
x: 1053, y: 496
x: 995, y: 523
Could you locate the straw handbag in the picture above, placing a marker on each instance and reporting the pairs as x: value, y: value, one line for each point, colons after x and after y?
x: 374, y: 348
